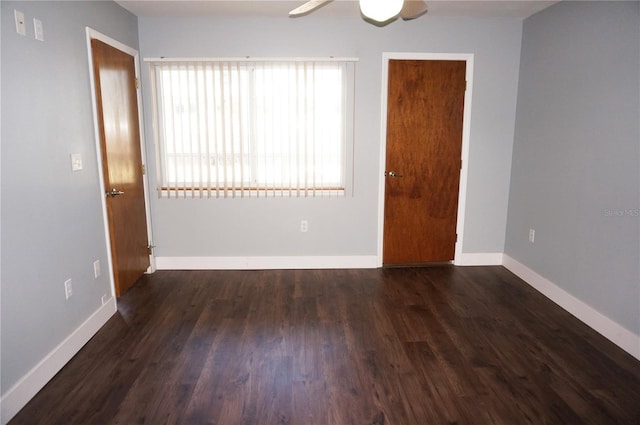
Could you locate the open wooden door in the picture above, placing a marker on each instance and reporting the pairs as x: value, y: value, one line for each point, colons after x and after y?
x: 423, y: 159
x: 118, y: 121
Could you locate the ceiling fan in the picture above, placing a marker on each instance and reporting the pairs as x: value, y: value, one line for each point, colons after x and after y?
x: 376, y: 10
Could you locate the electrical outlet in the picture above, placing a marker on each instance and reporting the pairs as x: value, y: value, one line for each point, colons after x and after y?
x: 304, y: 226
x: 38, y: 30
x: 68, y: 289
x: 532, y: 235
x: 76, y: 162
x: 96, y: 269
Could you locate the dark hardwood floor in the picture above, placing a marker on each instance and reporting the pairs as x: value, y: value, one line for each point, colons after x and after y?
x: 439, y: 345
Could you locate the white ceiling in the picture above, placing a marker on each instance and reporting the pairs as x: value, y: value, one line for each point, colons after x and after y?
x: 338, y: 8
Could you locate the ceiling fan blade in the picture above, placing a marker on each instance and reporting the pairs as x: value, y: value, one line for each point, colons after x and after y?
x: 413, y: 9
x: 308, y: 7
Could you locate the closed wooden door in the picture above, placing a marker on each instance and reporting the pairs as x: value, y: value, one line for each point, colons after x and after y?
x: 117, y: 105
x: 423, y: 160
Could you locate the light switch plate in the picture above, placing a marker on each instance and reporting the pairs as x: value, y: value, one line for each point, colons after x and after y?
x: 21, y: 26
x: 76, y: 162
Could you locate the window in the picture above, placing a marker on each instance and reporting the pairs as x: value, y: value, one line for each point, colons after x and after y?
x: 253, y: 128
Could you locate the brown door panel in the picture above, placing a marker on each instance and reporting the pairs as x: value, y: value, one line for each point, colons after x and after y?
x: 118, y: 118
x: 424, y: 147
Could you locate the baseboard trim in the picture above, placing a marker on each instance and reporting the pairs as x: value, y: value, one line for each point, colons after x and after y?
x: 267, y: 263
x: 480, y: 259
x: 611, y: 330
x: 29, y: 385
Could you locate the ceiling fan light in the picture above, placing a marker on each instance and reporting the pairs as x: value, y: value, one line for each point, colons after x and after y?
x: 380, y: 10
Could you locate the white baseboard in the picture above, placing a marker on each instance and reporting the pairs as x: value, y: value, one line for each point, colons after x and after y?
x: 480, y: 259
x: 302, y: 262
x: 611, y: 330
x: 27, y: 387
x: 266, y: 263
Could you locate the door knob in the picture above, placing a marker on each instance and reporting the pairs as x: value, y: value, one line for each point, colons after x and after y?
x: 113, y: 192
x: 391, y: 174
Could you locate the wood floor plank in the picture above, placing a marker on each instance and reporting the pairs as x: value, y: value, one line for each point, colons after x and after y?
x: 432, y: 345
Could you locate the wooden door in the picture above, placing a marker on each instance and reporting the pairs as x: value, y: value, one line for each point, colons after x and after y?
x: 423, y: 160
x: 117, y: 104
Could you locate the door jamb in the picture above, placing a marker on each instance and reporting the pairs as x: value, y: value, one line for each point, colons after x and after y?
x: 93, y: 34
x: 466, y: 124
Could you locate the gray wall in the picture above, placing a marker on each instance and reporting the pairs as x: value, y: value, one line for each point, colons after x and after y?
x: 52, y: 227
x: 345, y: 226
x: 575, y: 171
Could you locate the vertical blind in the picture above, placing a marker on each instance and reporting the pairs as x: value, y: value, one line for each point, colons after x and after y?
x: 235, y: 128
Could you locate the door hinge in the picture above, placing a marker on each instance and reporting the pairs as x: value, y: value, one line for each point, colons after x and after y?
x: 150, y: 248
x: 144, y: 169
x: 137, y: 83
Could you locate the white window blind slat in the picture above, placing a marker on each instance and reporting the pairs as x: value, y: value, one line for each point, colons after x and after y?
x: 194, y: 139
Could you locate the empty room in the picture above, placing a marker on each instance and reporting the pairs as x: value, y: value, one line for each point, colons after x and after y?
x: 327, y: 212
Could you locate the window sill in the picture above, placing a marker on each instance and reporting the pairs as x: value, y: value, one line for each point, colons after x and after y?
x: 197, y: 193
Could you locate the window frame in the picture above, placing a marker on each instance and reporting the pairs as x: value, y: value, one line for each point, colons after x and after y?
x: 198, y: 190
